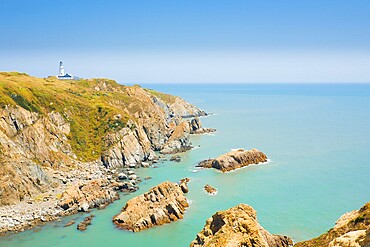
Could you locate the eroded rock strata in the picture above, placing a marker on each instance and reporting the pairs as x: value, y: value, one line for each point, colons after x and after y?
x: 237, y: 226
x: 162, y: 204
x: 235, y: 159
x: 351, y: 230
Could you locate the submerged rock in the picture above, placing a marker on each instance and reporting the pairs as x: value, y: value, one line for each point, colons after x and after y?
x: 162, y: 204
x: 235, y: 159
x: 237, y: 226
x: 175, y: 158
x: 351, y: 230
x: 85, y: 223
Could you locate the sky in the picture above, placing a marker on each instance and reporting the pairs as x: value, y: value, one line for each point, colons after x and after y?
x: 189, y: 41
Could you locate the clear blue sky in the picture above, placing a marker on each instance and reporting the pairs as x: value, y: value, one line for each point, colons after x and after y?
x: 189, y: 40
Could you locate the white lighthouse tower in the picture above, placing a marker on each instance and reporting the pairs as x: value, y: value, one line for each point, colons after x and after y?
x: 65, y: 76
x: 61, y: 69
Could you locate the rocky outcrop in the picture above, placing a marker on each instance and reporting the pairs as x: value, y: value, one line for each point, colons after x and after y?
x: 351, y: 230
x: 234, y: 159
x: 179, y: 140
x: 196, y: 127
x: 83, y: 196
x: 162, y: 204
x: 237, y: 226
x: 209, y: 189
x: 127, y: 146
x: 82, y: 226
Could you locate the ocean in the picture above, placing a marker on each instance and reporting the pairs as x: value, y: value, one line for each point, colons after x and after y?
x: 317, y: 137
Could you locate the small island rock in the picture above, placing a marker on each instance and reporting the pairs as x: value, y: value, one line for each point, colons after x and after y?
x: 237, y: 226
x: 234, y: 159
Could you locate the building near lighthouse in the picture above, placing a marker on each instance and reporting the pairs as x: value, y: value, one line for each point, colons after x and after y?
x: 65, y: 76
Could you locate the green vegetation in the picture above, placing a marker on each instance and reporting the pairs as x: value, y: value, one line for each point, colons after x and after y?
x: 167, y: 98
x: 93, y: 107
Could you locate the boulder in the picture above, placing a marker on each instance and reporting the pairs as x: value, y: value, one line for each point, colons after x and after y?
x: 210, y: 190
x: 162, y: 204
x: 235, y: 159
x: 237, y: 226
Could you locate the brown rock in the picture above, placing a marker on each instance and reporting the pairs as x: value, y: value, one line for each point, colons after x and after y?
x: 184, y: 185
x: 209, y: 189
x: 162, y: 204
x: 234, y: 159
x: 83, y: 196
x: 237, y: 226
x: 69, y: 223
x: 85, y: 223
x: 351, y: 229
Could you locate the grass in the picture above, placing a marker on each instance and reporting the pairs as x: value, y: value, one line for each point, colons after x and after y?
x: 91, y: 113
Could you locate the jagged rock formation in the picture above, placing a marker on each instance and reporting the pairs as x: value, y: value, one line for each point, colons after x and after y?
x: 351, y: 230
x: 196, y: 127
x: 209, y: 189
x: 179, y: 140
x: 83, y: 196
x: 235, y: 159
x: 162, y: 204
x: 237, y: 226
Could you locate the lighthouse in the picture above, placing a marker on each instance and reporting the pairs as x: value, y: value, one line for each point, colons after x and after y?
x: 61, y: 69
x: 65, y: 76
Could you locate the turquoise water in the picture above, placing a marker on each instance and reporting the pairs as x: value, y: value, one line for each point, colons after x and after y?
x: 318, y: 140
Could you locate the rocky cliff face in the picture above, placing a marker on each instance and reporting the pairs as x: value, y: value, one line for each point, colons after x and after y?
x: 234, y: 159
x: 160, y: 205
x: 48, y: 126
x: 237, y: 226
x: 351, y: 230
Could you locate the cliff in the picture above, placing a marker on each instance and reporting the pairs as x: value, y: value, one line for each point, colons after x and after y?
x: 162, y: 204
x: 234, y: 159
x: 237, y: 226
x: 351, y: 230
x: 50, y: 127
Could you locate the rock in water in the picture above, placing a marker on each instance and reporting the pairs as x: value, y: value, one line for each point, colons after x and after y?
x: 351, y: 230
x: 235, y: 159
x: 162, y: 204
x: 237, y: 226
x: 210, y: 190
x: 85, y: 223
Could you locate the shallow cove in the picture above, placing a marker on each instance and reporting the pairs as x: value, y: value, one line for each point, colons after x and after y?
x: 316, y: 136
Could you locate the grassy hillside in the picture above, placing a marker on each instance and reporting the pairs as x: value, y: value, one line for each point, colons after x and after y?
x: 89, y: 105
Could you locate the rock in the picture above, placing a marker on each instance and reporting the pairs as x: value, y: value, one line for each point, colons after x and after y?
x: 196, y: 127
x: 184, y: 185
x: 351, y: 229
x: 87, y: 195
x: 122, y: 176
x: 147, y: 178
x: 209, y: 189
x: 234, y: 159
x: 162, y: 204
x: 237, y: 226
x: 145, y: 164
x: 69, y: 223
x: 85, y: 223
x: 132, y: 177
x: 179, y: 140
x: 175, y: 158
